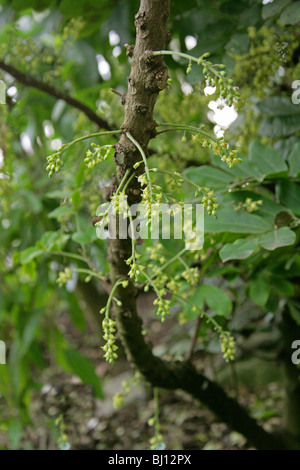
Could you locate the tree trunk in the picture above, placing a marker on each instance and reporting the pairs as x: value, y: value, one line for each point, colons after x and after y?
x: 147, y: 78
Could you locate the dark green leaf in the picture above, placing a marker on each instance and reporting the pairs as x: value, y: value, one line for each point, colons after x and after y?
x: 260, y: 290
x: 208, y: 176
x: 267, y: 160
x: 278, y: 106
x: 289, y: 194
x: 280, y: 126
x: 294, y: 160
x: 274, y: 8
x: 84, y: 369
x: 214, y: 297
x: 233, y: 221
x: 291, y: 14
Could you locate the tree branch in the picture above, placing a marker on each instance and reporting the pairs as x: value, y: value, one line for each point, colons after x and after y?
x: 30, y: 81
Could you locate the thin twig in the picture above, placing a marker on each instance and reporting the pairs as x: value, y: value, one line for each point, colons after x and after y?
x: 30, y: 81
x: 194, y: 339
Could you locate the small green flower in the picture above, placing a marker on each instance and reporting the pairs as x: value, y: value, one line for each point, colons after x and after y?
x: 64, y: 277
x: 110, y: 347
x: 228, y: 346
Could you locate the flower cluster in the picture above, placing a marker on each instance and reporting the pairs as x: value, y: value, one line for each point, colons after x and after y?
x: 209, y: 201
x: 109, y: 335
x: 155, y: 252
x: 216, y: 76
x: 64, y: 277
x: 249, y: 205
x: 135, y: 268
x: 98, y: 155
x: 191, y: 275
x: 119, y: 204
x: 55, y: 163
x: 221, y: 149
x: 152, y: 196
x: 227, y: 345
x: 118, y: 398
x: 163, y: 309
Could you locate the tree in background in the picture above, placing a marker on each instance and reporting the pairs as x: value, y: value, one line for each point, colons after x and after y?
x: 243, y: 283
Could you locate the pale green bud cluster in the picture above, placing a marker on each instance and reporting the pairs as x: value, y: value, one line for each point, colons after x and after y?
x: 216, y: 76
x: 119, y: 204
x: 221, y: 149
x: 118, y: 400
x: 98, y: 155
x: 110, y: 347
x: 163, y: 308
x: 64, y: 277
x: 250, y: 205
x: 228, y: 346
x: 209, y: 201
x: 135, y: 268
x: 55, y: 163
x: 191, y: 275
x: 155, y: 252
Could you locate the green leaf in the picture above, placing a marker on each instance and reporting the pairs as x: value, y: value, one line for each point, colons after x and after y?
x: 267, y: 160
x: 278, y: 106
x: 214, y: 297
x: 294, y: 160
x: 84, y: 369
x: 207, y: 176
x: 238, y: 44
x: 273, y: 8
x: 277, y: 238
x: 86, y: 237
x: 61, y: 212
x: 279, y: 126
x: 29, y: 254
x: 29, y: 332
x: 15, y: 432
x: 76, y: 313
x: 294, y: 312
x: 72, y: 8
x: 76, y: 196
x: 284, y: 287
x: 291, y: 14
x: 233, y: 221
x: 288, y: 194
x: 259, y: 290
x: 268, y: 210
x: 240, y: 249
x: 59, y: 194
x: 48, y: 239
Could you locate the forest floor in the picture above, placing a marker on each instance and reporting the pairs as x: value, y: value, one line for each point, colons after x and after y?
x: 90, y: 423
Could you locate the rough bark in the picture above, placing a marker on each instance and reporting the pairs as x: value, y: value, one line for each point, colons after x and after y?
x: 148, y: 77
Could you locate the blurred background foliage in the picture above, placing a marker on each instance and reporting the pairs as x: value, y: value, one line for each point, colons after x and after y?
x: 251, y: 255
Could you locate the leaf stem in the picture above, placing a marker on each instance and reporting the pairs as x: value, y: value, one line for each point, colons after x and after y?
x: 144, y: 160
